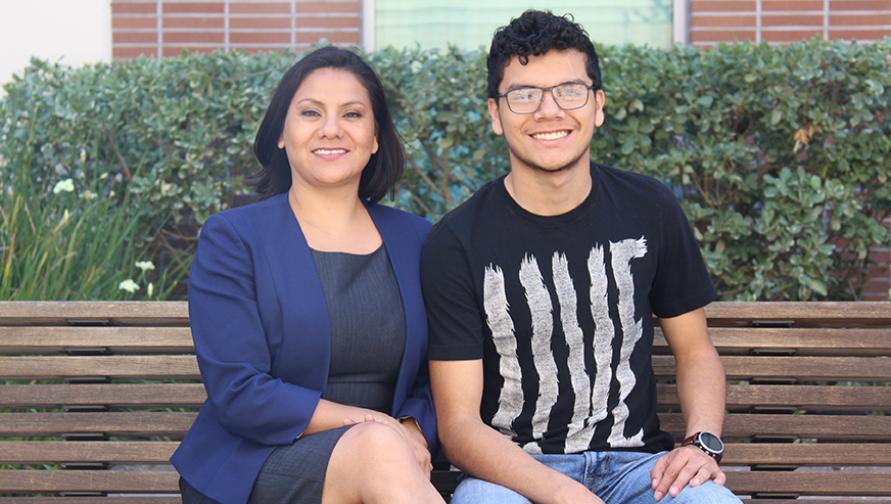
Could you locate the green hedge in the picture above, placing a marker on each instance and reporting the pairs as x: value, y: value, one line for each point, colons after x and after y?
x: 780, y: 155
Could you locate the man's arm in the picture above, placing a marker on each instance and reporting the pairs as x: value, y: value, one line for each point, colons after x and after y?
x: 701, y: 390
x: 482, y: 451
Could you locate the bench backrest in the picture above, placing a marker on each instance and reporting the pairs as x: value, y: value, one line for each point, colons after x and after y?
x: 94, y: 397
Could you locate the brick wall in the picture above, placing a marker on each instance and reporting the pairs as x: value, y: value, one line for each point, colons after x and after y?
x: 159, y: 28
x: 785, y: 21
x: 878, y: 283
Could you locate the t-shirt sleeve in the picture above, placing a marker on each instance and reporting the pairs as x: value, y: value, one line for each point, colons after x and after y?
x: 682, y: 282
x: 453, y: 315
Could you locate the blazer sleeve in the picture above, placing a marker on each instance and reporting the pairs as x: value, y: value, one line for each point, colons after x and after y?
x: 230, y: 343
x: 419, y: 405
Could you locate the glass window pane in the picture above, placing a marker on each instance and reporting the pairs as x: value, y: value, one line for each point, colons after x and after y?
x: 470, y: 23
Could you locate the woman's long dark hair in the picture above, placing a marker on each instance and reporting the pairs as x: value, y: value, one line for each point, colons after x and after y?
x: 384, y: 167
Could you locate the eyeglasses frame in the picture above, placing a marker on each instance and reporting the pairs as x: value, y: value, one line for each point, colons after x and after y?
x: 549, y: 89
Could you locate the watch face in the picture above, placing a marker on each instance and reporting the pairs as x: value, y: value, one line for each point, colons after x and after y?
x: 711, y: 441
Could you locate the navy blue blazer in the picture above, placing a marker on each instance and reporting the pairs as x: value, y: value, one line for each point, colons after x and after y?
x: 262, y: 337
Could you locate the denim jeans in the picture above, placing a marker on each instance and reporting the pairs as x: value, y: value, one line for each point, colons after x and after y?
x: 615, y: 477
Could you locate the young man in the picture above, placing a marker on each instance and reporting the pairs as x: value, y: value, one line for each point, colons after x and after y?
x: 540, y: 292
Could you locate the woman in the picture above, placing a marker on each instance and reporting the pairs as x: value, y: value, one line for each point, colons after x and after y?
x: 307, y: 314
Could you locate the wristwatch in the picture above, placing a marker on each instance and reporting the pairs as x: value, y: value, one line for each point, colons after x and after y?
x: 707, y: 442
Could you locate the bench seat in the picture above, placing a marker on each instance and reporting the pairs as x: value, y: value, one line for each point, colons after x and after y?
x: 94, y: 397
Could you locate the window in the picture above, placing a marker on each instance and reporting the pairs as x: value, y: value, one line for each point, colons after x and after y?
x: 470, y: 23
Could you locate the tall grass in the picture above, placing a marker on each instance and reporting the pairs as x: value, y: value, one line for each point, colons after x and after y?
x: 78, y: 238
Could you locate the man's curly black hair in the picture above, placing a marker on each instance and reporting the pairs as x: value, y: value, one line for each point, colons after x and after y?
x: 534, y: 33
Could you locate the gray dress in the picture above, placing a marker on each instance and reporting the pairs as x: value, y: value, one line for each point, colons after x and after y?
x: 367, y: 342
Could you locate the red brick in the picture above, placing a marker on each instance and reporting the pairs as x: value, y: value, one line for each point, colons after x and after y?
x: 876, y: 296
x: 260, y: 38
x: 858, y: 34
x: 722, y: 35
x: 341, y: 37
x: 792, y: 5
x: 133, y: 7
x: 722, y: 6
x: 327, y: 7
x: 257, y: 49
x: 790, y: 36
x: 837, y: 5
x: 194, y: 37
x: 125, y: 37
x: 849, y: 20
x: 791, y: 20
x: 194, y: 22
x: 177, y: 50
x: 193, y: 7
x: 260, y: 8
x: 329, y: 22
x: 260, y: 22
x: 723, y: 21
x: 124, y: 22
x: 134, y: 52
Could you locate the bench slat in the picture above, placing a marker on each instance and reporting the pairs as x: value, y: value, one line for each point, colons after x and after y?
x: 130, y: 366
x: 804, y: 313
x: 135, y: 499
x: 145, y: 313
x: 854, y: 483
x: 824, y: 427
x: 154, y: 313
x: 820, y: 397
x: 859, y: 483
x: 186, y: 367
x: 121, y: 424
x: 54, y: 339
x: 825, y: 454
x: 804, y: 368
x: 825, y: 398
x: 118, y: 394
x: 47, y: 452
x: 806, y: 341
x: 159, y: 452
x: 88, y: 480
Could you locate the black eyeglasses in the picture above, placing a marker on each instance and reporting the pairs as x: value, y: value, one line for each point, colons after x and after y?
x: 568, y: 96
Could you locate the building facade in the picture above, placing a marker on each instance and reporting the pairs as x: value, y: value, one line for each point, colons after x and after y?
x: 159, y: 28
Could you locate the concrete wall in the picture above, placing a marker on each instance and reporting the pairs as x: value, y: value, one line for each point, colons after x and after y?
x: 74, y: 32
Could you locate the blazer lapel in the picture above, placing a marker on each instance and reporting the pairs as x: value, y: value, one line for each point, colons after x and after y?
x: 404, y: 253
x: 306, y: 338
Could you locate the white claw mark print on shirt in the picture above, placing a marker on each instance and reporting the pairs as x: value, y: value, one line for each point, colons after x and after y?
x: 581, y: 385
x: 542, y: 312
x: 632, y: 330
x: 510, y: 402
x: 590, y: 406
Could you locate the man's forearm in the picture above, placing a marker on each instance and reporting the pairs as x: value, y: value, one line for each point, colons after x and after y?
x: 701, y: 390
x: 486, y: 454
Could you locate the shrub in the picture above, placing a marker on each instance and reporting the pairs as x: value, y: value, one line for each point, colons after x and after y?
x: 780, y: 155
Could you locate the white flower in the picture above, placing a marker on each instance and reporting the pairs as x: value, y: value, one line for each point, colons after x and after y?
x: 145, y: 266
x: 88, y: 195
x: 129, y: 286
x: 66, y: 185
x: 150, y: 290
x: 83, y: 156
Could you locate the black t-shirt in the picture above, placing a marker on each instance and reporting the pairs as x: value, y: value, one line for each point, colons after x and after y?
x: 560, y: 309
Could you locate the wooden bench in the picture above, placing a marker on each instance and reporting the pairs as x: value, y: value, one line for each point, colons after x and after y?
x: 97, y: 395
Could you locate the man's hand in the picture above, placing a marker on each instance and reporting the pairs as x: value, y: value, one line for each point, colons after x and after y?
x: 685, y: 464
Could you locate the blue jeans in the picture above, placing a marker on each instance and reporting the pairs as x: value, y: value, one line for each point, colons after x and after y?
x: 615, y: 477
